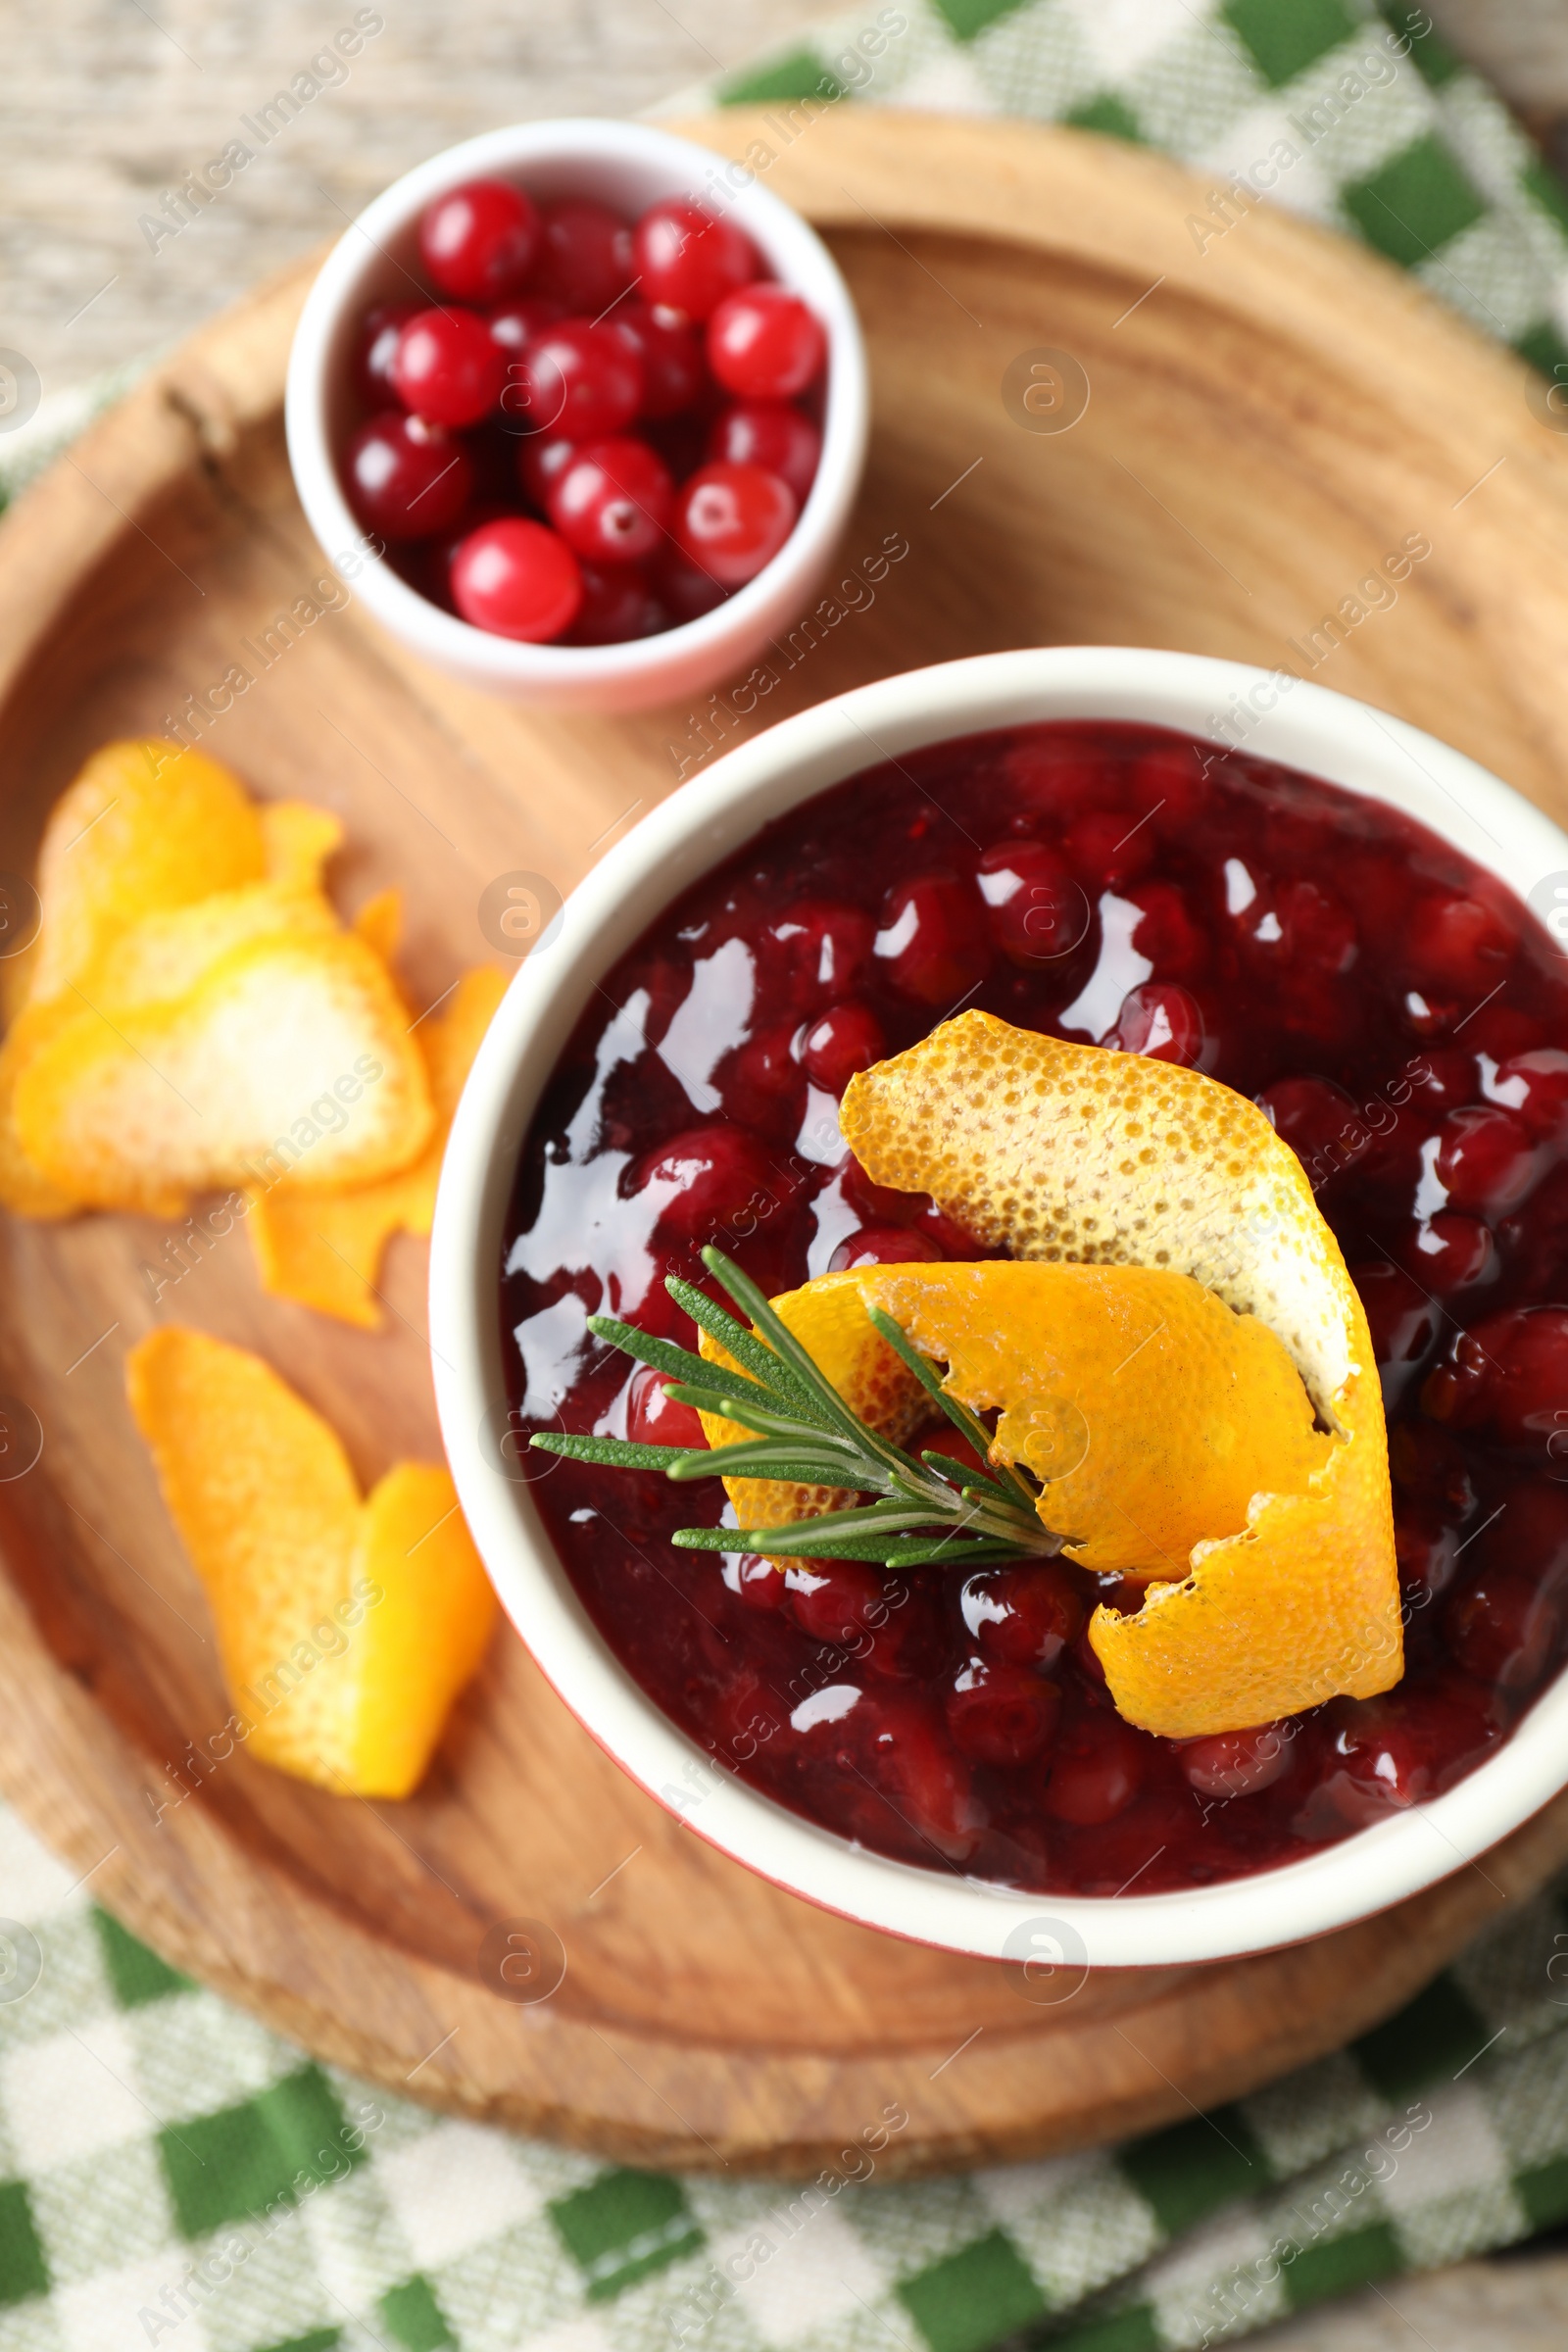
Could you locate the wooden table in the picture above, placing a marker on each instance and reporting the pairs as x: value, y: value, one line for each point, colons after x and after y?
x: 104, y: 108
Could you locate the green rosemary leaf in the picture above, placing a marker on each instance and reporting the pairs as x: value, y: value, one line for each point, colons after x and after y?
x: 739, y: 1400
x: 950, y: 1551
x: 825, y: 1397
x: 968, y: 1480
x: 620, y: 1452
x: 969, y: 1424
x: 663, y: 1355
x: 762, y: 1363
x: 872, y: 1549
x: 772, y: 1462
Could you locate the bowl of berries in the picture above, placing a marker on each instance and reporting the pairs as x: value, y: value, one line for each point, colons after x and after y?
x: 998, y: 1317
x: 600, y: 401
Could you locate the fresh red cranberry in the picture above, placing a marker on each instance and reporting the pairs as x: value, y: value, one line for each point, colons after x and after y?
x: 1169, y: 932
x: 1107, y: 848
x: 618, y: 605
x: 1534, y: 1088
x: 1231, y: 1764
x: 655, y: 1419
x: 478, y: 242
x: 585, y: 256
x: 433, y: 559
x: 764, y: 343
x: 1486, y: 1159
x: 1449, y: 1252
x: 690, y: 258
x: 847, y: 1039
x: 1303, y: 928
x: 816, y: 949
x: 670, y: 355
x: 762, y: 1583
x: 1530, y: 1534
x: 1022, y: 1616
x: 1313, y: 1116
x: 1000, y: 1714
x: 1096, y: 1771
x: 841, y: 1601
x: 763, y: 1082
x: 1458, y: 946
x: 514, y: 324
x: 684, y: 586
x: 1381, y: 1756
x: 1428, y: 1465
x: 1510, y: 1374
x: 927, y: 1783
x: 517, y: 580
x: 932, y: 946
x: 1503, y: 1628
x: 782, y: 440
x: 1163, y: 1022
x: 576, y: 379
x: 710, y: 1177
x: 405, y: 478
x: 611, y: 502
x: 1505, y: 1031
x: 1441, y: 1079
x: 1059, y: 774
x: 1403, y: 1320
x: 542, y: 459
x: 378, y: 341
x: 1427, y: 1555
x: 1037, y: 910
x: 1173, y: 783
x: 732, y: 520
x: 447, y: 368
x: 883, y: 1245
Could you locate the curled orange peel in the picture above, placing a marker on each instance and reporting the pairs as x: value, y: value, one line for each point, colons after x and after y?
x: 136, y: 1108
x: 346, y: 1628
x: 325, y: 1247
x: 193, y: 1001
x: 1085, y: 1161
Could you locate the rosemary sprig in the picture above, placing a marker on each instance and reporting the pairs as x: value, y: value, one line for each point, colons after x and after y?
x: 801, y: 1433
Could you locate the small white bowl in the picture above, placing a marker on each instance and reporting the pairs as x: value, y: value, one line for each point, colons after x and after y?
x: 1281, y: 719
x: 628, y: 165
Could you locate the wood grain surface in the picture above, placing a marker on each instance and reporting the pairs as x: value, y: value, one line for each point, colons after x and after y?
x: 1264, y: 422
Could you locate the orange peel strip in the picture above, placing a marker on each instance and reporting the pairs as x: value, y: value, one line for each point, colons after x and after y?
x: 1070, y: 1153
x: 346, y: 1629
x: 379, y: 923
x: 171, y: 953
x: 297, y: 839
x: 145, y: 825
x: 253, y: 1065
x: 324, y: 1249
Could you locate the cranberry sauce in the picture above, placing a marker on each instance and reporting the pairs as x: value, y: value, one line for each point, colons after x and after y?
x: 1400, y: 1018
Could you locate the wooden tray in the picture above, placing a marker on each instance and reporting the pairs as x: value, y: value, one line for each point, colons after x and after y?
x: 1267, y: 419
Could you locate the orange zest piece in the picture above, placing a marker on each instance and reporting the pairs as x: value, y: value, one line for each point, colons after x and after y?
x: 260, y: 1060
x: 297, y: 839
x: 325, y: 1247
x: 1075, y: 1156
x: 346, y: 1628
x: 155, y: 865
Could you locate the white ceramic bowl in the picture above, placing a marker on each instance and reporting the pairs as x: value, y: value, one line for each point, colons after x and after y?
x: 629, y: 165
x: 1323, y: 733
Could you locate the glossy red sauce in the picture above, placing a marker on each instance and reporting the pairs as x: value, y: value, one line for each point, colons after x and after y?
x: 1402, y: 1017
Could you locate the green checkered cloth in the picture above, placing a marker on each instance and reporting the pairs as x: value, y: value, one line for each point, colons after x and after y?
x: 1373, y: 124
x: 170, y: 2173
